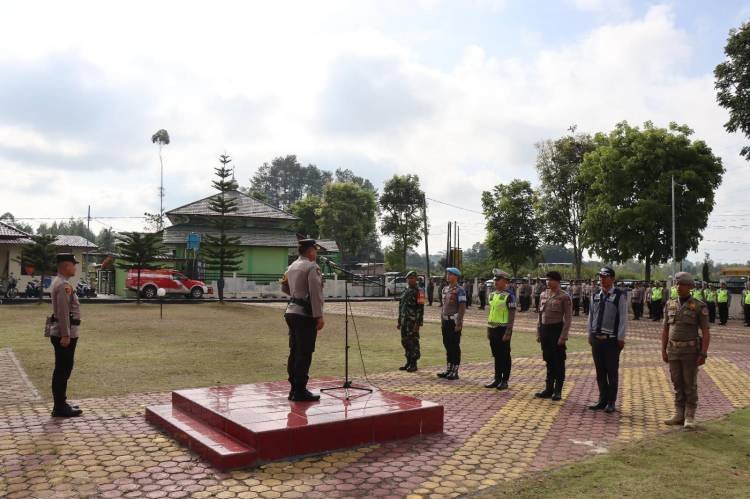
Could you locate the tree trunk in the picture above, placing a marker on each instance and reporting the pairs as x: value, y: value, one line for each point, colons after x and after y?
x: 648, y: 268
x: 41, y: 289
x: 577, y: 259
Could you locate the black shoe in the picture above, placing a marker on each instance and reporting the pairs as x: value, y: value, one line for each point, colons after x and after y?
x: 447, y: 371
x: 453, y: 375
x: 492, y: 384
x: 503, y: 386
x: 544, y: 394
x: 411, y: 368
x: 610, y: 407
x: 404, y: 367
x: 556, y: 396
x: 557, y: 392
x: 598, y: 406
x: 66, y: 412
x: 304, y: 396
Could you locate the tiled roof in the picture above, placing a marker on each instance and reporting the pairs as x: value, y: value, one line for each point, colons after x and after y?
x: 328, y: 245
x: 74, y: 242
x: 247, y: 207
x: 177, y: 234
x: 8, y: 231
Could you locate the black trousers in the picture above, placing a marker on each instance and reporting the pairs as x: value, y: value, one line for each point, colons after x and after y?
x: 500, y: 351
x: 553, y: 354
x: 586, y: 303
x: 536, y: 302
x: 525, y: 302
x: 723, y: 313
x: 637, y: 309
x: 482, y: 300
x: 303, y: 332
x: 451, y: 342
x: 746, y: 309
x: 576, y: 306
x: 64, y: 360
x: 711, y: 312
x: 430, y: 296
x: 607, y: 363
x: 657, y: 310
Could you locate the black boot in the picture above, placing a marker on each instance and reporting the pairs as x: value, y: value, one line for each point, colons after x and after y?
x: 448, y: 369
x: 405, y: 366
x: 453, y: 375
x: 557, y: 392
x: 493, y: 383
x: 503, y: 384
x: 598, y: 406
x: 66, y: 411
x: 304, y: 396
x: 412, y: 366
x: 546, y: 393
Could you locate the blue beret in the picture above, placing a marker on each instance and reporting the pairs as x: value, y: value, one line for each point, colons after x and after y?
x: 454, y: 271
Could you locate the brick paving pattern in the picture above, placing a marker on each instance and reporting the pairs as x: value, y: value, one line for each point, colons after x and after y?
x: 489, y: 436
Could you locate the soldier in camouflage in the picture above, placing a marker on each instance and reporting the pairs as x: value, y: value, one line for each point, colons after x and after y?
x: 410, y: 319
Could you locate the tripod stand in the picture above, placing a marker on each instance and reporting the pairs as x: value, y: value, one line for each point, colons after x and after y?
x: 347, y: 383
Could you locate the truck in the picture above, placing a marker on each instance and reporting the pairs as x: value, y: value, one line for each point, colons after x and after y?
x: 173, y: 282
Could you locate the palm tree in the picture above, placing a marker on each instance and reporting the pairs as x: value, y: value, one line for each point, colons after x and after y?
x: 161, y: 137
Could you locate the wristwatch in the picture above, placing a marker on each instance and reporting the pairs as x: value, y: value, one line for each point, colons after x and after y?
x: 703, y: 354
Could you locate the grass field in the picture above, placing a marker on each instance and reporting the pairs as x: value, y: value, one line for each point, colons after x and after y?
x: 125, y: 348
x: 713, y: 461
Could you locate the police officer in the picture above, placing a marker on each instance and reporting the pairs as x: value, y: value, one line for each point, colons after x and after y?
x: 723, y: 299
x: 524, y: 295
x: 500, y: 328
x: 555, y: 317
x: 482, y: 294
x: 683, y: 348
x: 746, y: 303
x: 586, y: 296
x: 606, y: 328
x: 637, y: 300
x: 696, y: 293
x: 303, y: 283
x: 410, y: 319
x: 710, y: 295
x: 538, y: 288
x: 657, y: 302
x: 452, y: 321
x: 430, y: 290
x: 62, y: 329
x: 575, y: 294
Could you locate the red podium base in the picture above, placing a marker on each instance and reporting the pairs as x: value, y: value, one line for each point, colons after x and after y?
x: 247, y: 425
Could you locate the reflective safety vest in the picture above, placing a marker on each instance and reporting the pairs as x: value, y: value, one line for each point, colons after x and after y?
x: 499, y: 312
x: 722, y: 296
x: 747, y: 297
x: 656, y: 294
x: 710, y: 296
x: 697, y: 294
x: 673, y: 293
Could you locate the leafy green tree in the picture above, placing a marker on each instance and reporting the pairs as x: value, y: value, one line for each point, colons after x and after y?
x: 733, y: 83
x: 284, y: 181
x: 562, y: 190
x: 346, y: 175
x: 348, y: 215
x: 138, y: 250
x: 513, y: 227
x: 222, y: 252
x: 106, y: 240
x: 308, y: 211
x: 629, y: 178
x: 42, y: 256
x: 9, y: 219
x: 403, y: 218
x: 371, y: 250
x: 73, y: 227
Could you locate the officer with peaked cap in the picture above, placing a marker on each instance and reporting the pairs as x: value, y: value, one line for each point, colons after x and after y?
x: 62, y: 329
x: 684, y: 346
x: 555, y: 318
x: 303, y: 283
x: 410, y: 319
x: 452, y: 321
x: 502, y: 302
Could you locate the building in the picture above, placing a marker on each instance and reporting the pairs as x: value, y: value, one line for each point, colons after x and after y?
x: 12, y: 242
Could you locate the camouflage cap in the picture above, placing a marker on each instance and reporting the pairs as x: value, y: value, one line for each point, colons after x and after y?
x: 411, y: 273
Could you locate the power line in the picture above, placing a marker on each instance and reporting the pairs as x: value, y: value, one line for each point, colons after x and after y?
x: 455, y: 206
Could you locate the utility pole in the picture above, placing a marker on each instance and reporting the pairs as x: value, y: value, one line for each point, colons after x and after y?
x: 426, y: 235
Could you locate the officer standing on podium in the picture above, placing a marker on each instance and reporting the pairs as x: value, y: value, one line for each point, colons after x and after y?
x: 62, y: 329
x: 452, y: 321
x: 303, y: 283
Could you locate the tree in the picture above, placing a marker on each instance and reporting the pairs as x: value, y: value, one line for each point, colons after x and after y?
x: 138, y: 250
x: 346, y: 175
x: 403, y: 217
x: 161, y: 137
x: 512, y: 225
x: 348, y: 215
x: 222, y: 252
x: 629, y: 177
x: 733, y: 83
x: 284, y: 181
x: 562, y: 191
x: 9, y: 219
x: 42, y: 256
x: 73, y: 227
x: 308, y: 211
x: 106, y: 240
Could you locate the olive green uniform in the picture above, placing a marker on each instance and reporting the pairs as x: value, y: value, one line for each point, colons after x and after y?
x: 410, y: 319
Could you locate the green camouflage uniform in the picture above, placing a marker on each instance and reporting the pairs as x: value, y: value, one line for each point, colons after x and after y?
x: 410, y: 316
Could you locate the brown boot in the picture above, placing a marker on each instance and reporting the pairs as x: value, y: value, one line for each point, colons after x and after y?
x: 690, y: 417
x: 678, y: 418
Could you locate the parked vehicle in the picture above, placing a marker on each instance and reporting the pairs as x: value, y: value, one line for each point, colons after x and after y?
x: 84, y: 290
x: 172, y: 281
x: 395, y: 285
x: 33, y: 289
x: 8, y: 287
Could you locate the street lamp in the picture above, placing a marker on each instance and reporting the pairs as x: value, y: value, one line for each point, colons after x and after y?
x: 674, y: 232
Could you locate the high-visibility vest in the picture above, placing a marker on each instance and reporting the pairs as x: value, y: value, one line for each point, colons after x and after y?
x: 673, y: 293
x: 710, y: 296
x: 697, y: 294
x: 722, y: 296
x: 747, y: 297
x: 656, y: 294
x: 499, y: 312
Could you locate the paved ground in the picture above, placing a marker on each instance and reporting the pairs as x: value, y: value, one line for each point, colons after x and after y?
x: 489, y: 436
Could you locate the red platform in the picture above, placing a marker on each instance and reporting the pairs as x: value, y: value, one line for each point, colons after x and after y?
x: 247, y: 425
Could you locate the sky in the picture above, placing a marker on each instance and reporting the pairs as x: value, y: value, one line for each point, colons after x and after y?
x: 457, y: 92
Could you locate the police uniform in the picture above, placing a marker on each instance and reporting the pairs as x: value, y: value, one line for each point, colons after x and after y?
x: 723, y: 298
x: 555, y: 317
x: 746, y: 305
x: 586, y: 297
x: 606, y: 329
x: 303, y: 283
x: 575, y: 295
x: 658, y: 294
x: 452, y: 321
x: 499, y: 330
x: 710, y: 295
x: 410, y: 319
x: 524, y: 296
x: 637, y: 301
x: 683, y: 344
x: 538, y: 288
x: 65, y: 321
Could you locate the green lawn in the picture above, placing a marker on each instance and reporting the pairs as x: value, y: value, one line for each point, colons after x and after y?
x: 125, y: 348
x: 713, y: 461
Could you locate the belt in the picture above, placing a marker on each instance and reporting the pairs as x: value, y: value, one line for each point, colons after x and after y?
x: 449, y: 317
x: 603, y: 336
x: 681, y: 344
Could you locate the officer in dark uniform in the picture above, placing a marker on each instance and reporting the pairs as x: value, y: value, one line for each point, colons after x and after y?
x: 430, y: 290
x: 606, y: 328
x: 303, y: 283
x: 482, y: 294
x: 452, y: 322
x: 62, y: 329
x: 410, y: 319
x: 500, y: 328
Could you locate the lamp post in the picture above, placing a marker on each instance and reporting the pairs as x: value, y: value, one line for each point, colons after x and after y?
x: 674, y: 230
x: 161, y: 292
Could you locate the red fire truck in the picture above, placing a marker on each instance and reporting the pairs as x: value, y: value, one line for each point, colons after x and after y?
x: 172, y: 281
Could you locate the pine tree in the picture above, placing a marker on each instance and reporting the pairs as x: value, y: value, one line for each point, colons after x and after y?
x: 42, y: 256
x: 139, y: 250
x: 223, y: 252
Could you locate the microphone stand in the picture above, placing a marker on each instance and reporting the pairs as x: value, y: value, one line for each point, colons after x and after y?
x: 347, y: 383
